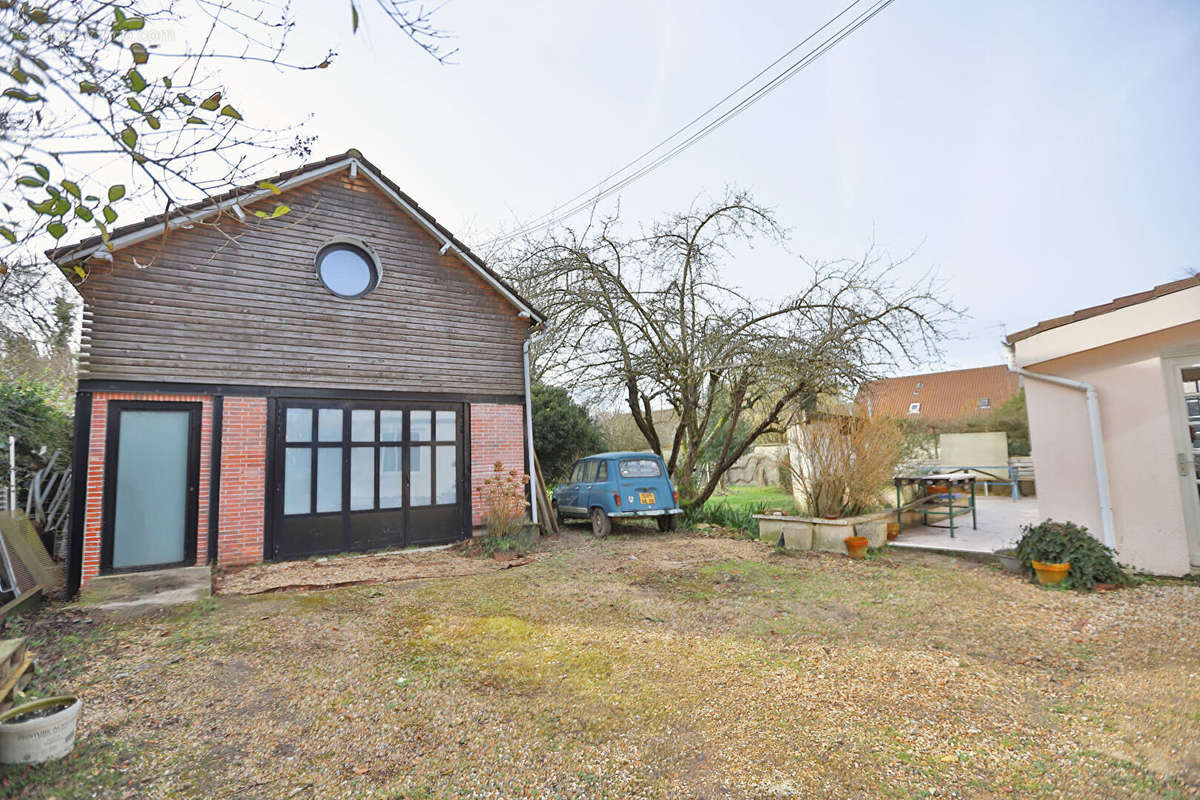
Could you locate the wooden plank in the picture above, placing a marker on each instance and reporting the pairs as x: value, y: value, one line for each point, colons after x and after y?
x: 202, y: 310
x: 12, y: 651
x: 14, y: 680
x: 24, y: 603
x: 545, y: 509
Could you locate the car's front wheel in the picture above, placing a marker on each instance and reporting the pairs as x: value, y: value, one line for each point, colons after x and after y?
x: 667, y: 523
x: 601, y: 524
x: 558, y: 516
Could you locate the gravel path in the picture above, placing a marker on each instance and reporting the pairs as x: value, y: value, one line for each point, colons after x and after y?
x: 642, y: 666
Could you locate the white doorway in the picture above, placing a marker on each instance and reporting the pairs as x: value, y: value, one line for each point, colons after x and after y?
x: 1183, y: 375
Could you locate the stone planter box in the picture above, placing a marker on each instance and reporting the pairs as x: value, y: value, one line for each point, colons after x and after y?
x: 797, y: 534
x: 817, y: 533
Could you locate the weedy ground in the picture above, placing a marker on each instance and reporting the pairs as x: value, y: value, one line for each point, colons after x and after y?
x: 643, y: 665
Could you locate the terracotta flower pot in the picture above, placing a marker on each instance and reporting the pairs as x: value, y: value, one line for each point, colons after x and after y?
x: 893, y: 530
x: 1050, y: 574
x: 856, y: 546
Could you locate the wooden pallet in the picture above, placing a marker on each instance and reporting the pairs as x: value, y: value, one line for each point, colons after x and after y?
x: 16, y: 666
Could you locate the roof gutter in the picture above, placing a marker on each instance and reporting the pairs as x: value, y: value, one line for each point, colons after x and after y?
x: 1098, y: 455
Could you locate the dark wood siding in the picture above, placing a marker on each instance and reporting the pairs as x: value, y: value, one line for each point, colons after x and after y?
x: 241, y: 303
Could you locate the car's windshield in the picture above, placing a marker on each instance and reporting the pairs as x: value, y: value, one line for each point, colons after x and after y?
x: 640, y: 468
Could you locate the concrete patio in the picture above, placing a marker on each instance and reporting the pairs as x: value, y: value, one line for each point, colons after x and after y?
x: 1000, y: 520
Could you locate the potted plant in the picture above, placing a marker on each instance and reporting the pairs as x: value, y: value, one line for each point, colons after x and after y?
x: 893, y: 531
x: 41, y: 730
x: 1065, y: 554
x: 856, y: 546
x: 1008, y: 559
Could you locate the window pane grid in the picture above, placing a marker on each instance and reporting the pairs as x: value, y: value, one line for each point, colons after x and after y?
x: 344, y: 458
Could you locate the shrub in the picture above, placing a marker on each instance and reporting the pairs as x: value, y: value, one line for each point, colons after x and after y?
x: 503, y: 496
x: 562, y: 431
x: 724, y: 515
x: 845, y: 461
x: 1058, y: 542
x: 31, y: 412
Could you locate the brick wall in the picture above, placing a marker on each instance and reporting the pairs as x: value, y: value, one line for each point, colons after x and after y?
x: 243, y: 481
x: 94, y: 510
x: 497, y: 434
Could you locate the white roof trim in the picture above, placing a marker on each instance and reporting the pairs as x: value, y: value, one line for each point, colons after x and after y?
x: 1117, y: 325
x: 356, y: 166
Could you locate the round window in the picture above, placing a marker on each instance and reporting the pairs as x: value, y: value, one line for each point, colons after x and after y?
x: 347, y: 270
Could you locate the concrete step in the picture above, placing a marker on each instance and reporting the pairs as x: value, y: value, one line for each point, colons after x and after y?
x: 132, y: 593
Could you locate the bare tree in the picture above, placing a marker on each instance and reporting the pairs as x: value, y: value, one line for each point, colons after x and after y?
x: 650, y: 320
x: 90, y: 85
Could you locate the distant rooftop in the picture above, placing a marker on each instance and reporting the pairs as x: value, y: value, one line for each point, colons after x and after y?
x: 940, y: 396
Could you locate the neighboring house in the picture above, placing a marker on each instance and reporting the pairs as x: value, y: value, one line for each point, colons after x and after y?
x: 339, y: 378
x: 1113, y: 394
x: 940, y: 396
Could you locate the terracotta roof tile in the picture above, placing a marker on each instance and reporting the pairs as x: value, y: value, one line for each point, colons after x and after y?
x: 942, y: 395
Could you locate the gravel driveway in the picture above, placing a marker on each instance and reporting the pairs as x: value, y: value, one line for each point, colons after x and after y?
x: 639, y: 666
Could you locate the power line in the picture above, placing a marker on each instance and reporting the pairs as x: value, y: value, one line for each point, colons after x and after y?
x: 572, y: 206
x: 693, y: 121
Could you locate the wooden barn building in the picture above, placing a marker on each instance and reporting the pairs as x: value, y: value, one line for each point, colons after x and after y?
x: 340, y: 377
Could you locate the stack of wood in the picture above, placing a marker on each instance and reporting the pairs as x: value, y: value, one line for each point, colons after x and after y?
x: 16, y: 670
x: 546, y: 517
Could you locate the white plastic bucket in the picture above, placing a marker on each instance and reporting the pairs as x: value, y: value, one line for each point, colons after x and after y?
x: 42, y: 739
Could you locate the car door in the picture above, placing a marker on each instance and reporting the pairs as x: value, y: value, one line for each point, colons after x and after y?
x: 599, y: 490
x: 586, y: 477
x: 568, y: 494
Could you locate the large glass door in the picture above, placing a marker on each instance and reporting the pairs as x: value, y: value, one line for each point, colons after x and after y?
x: 151, y: 483
x: 364, y: 476
x: 433, y: 475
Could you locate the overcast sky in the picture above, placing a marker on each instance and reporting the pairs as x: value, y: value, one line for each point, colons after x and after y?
x: 1041, y: 155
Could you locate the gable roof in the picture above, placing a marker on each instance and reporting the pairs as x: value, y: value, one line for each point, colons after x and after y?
x: 232, y: 200
x: 943, y: 395
x: 1104, y: 308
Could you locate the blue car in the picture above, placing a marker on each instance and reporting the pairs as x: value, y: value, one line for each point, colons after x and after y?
x: 609, y: 485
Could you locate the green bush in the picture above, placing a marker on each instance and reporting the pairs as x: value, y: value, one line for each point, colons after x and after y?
x: 562, y: 431
x: 31, y: 412
x: 1057, y: 542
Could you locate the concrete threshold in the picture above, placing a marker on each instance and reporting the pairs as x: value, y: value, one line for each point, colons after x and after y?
x: 134, y: 593
x: 975, y: 555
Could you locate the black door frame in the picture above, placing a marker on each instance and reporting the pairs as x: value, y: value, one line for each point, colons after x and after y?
x: 276, y: 446
x: 112, y: 446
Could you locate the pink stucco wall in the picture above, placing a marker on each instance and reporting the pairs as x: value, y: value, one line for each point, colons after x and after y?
x: 1142, y: 427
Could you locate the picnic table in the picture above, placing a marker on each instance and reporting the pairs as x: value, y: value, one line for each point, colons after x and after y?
x: 937, y: 504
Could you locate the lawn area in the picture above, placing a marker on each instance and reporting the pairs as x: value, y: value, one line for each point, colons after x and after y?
x: 755, y: 497
x: 640, y: 666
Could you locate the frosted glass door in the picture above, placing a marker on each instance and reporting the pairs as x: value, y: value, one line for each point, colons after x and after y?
x: 151, y: 501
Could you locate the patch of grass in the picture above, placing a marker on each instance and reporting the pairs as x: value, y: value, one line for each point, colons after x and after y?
x: 735, y: 508
x: 643, y: 667
x: 756, y: 497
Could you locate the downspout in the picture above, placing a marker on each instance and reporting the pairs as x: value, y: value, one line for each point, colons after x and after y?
x: 1098, y: 456
x: 529, y: 340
